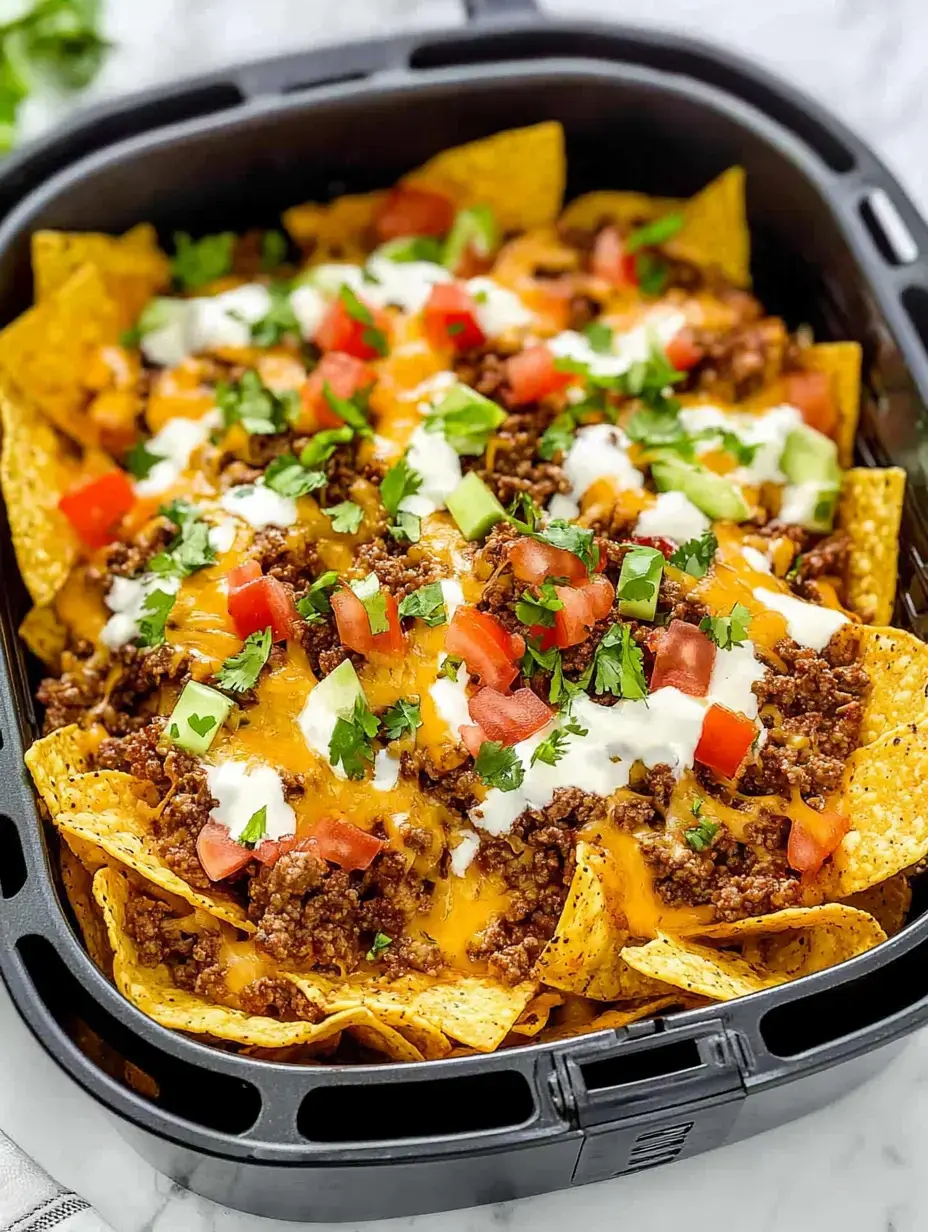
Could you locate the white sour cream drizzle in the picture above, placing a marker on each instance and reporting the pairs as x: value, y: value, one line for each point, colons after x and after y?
x: 733, y: 673
x: 242, y: 789
x: 463, y: 854
x: 599, y: 451
x: 174, y: 444
x: 450, y: 697
x: 633, y: 346
x: 768, y: 431
x: 672, y: 516
x: 126, y: 600
x: 440, y: 468
x: 806, y: 623
x: 259, y: 506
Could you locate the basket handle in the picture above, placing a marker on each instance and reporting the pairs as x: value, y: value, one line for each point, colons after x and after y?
x: 483, y: 10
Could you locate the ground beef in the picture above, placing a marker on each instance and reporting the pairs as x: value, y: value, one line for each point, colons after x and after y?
x: 826, y: 557
x: 130, y: 559
x: 812, y: 711
x: 343, y: 472
x: 323, y: 646
x: 287, y: 555
x: 516, y: 466
x: 413, y: 954
x: 277, y: 998
x: 483, y: 370
x: 73, y: 696
x: 203, y: 972
x: 145, y: 923
x: 455, y: 786
x: 398, y: 571
x: 741, y: 360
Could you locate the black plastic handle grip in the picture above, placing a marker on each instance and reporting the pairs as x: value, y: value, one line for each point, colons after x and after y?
x: 480, y: 10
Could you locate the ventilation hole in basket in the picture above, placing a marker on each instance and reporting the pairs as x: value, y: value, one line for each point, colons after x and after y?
x: 187, y: 1090
x: 385, y: 1112
x: 887, y: 230
x: 915, y: 302
x: 337, y: 79
x: 12, y: 862
x: 655, y: 1062
x: 835, y: 1013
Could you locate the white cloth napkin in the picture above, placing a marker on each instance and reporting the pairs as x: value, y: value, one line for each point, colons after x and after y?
x: 30, y: 1201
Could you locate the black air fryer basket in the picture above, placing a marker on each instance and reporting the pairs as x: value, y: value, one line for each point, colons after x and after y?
x: 837, y: 244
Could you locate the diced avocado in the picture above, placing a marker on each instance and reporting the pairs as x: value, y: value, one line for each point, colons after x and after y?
x: 197, y: 716
x: 639, y: 582
x: 411, y: 248
x: 810, y: 505
x: 467, y: 419
x: 473, y: 228
x: 474, y: 507
x: 339, y: 691
x: 810, y: 457
x: 716, y: 496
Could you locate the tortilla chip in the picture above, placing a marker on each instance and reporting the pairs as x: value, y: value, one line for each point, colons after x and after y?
x: 870, y: 512
x: 888, y: 902
x: 45, y: 635
x: 132, y: 266
x: 58, y: 757
x: 78, y: 885
x: 715, y: 231
x: 35, y: 468
x: 536, y: 1014
x: 841, y: 361
x: 340, y: 231
x: 885, y: 793
x: 771, y: 950
x: 897, y: 664
x: 519, y: 174
x: 585, y: 954
x: 152, y: 991
x: 614, y: 1019
x: 46, y: 353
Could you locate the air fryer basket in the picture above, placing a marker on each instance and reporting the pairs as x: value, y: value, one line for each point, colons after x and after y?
x: 838, y: 244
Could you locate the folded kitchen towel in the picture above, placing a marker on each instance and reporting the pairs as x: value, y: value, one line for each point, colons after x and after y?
x: 30, y: 1201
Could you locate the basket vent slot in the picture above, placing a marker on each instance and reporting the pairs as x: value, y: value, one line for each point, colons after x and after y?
x: 193, y: 1092
x: 657, y: 1062
x: 12, y: 862
x: 386, y: 1112
x: 658, y: 1146
x: 887, y: 230
x: 315, y: 83
x: 915, y: 302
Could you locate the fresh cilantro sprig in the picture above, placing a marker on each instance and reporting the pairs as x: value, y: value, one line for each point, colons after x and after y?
x: 427, y: 604
x: 255, y: 828
x: 190, y: 549
x: 372, y: 596
x: 450, y: 667
x: 323, y: 445
x: 352, y: 410
x: 599, y: 336
x: 287, y: 476
x: 538, y: 607
x: 524, y: 514
x: 402, y: 719
x: 314, y: 605
x: 730, y: 630
x: 198, y: 262
x: 351, y: 739
x: 279, y: 322
x: 346, y: 517
x: 155, y: 612
x: 371, y: 335
x: 696, y: 555
x: 467, y: 420
x: 400, y: 481
x: 240, y: 671
x: 700, y: 837
x: 379, y: 947
x: 618, y: 665
x: 560, y: 533
x: 554, y: 747
x: 259, y: 410
x: 140, y: 460
x: 558, y: 436
x: 498, y: 765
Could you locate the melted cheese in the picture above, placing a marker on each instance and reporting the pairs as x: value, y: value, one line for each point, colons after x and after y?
x: 807, y: 623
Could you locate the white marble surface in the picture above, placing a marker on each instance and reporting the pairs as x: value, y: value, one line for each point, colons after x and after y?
x: 857, y: 1166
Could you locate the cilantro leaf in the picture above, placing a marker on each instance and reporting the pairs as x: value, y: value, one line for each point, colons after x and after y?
x: 351, y: 740
x: 198, y: 262
x: 346, y: 517
x: 652, y: 273
x: 140, y: 460
x: 273, y: 249
x: 401, y: 719
x: 155, y: 612
x: 368, y: 590
x: 653, y: 234
x: 407, y: 528
x: 188, y: 551
x: 240, y: 671
x: 730, y: 630
x: 499, y: 766
x: 259, y: 410
x: 359, y: 311
x: 467, y: 419
x: 315, y: 605
x: 352, y: 410
x: 427, y: 603
x: 279, y: 320
x: 557, y: 437
x: 450, y: 667
x: 552, y: 749
x: 700, y: 837
x: 660, y: 428
x: 538, y: 608
x: 399, y: 482
x: 255, y: 828
x: 323, y: 445
x: 289, y: 477
x: 575, y: 539
x: 599, y: 336
x: 618, y: 665
x: 531, y: 514
x: 696, y: 555
x: 379, y: 946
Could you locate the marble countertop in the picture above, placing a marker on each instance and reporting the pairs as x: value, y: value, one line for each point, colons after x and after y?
x: 857, y: 1166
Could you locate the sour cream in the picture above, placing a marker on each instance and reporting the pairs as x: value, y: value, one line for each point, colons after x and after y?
x: 498, y: 309
x: 599, y: 451
x: 407, y: 284
x: 672, y: 516
x: 242, y: 789
x: 225, y: 320
x: 386, y: 771
x: 259, y: 506
x: 631, y: 347
x: 768, y: 431
x: 450, y: 698
x: 173, y: 445
x: 126, y: 600
x: 463, y: 854
x: 440, y: 468
x: 452, y: 594
x: 734, y: 672
x: 806, y: 623
x: 756, y: 560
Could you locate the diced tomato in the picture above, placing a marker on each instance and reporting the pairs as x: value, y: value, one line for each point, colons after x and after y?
x: 813, y: 836
x: 572, y: 624
x: 531, y: 375
x: 219, y: 853
x: 683, y: 659
x: 533, y: 561
x: 96, y: 508
x: 450, y: 318
x: 340, y: 331
x: 664, y: 546
x: 354, y: 626
x: 601, y: 594
x: 811, y: 393
x: 342, y: 843
x: 256, y: 602
x: 724, y: 740
x: 682, y: 351
x: 489, y: 652
x: 344, y: 375
x: 472, y: 737
x: 509, y: 718
x: 610, y: 261
x: 414, y: 211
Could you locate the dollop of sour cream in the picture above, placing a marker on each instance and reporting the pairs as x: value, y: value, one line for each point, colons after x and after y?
x: 672, y: 516
x: 599, y: 451
x: 806, y: 623
x: 126, y: 600
x: 242, y: 788
x: 174, y: 444
x: 259, y: 506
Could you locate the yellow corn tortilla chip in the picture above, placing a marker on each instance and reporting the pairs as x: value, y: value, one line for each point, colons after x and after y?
x: 614, y: 1019
x: 885, y: 794
x: 132, y: 266
x: 841, y: 362
x: 870, y: 512
x: 585, y: 954
x: 77, y: 880
x: 46, y: 353
x: 35, y: 468
x: 45, y: 635
x: 58, y: 757
x: 888, y: 902
x: 897, y: 664
x: 534, y: 1017
x: 152, y: 991
x: 519, y: 174
x: 772, y: 949
x: 340, y: 231
x: 715, y: 231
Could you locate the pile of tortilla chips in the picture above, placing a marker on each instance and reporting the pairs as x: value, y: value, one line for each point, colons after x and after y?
x: 593, y: 974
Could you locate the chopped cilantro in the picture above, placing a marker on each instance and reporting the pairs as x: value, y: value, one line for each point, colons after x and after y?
x: 450, y: 667
x: 523, y: 513
x: 730, y: 630
x: 535, y: 658
x: 179, y: 512
x: 700, y: 837
x: 351, y: 740
x: 287, y: 475
x: 652, y: 273
x: 427, y: 603
x: 279, y: 320
x: 453, y: 328
x: 155, y: 611
x: 140, y: 460
x: 399, y: 482
x: 323, y: 445
x: 538, y: 608
x: 315, y: 604
x: 411, y: 248
x: 379, y: 946
x: 654, y: 428
x: 371, y: 336
x: 648, y: 378
x: 407, y: 528
x: 201, y: 725
x: 259, y: 410
x: 352, y: 410
x: 273, y: 250
x: 553, y: 748
x: 189, y: 550
x: 402, y: 719
x: 557, y: 437
x: 368, y: 590
x: 696, y: 555
x: 599, y: 336
x: 467, y: 419
x: 240, y: 671
x: 575, y: 539
x: 198, y: 262
x: 346, y: 517
x: 618, y: 665
x: 255, y: 829
x: 696, y: 806
x: 499, y: 766
x: 653, y: 234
